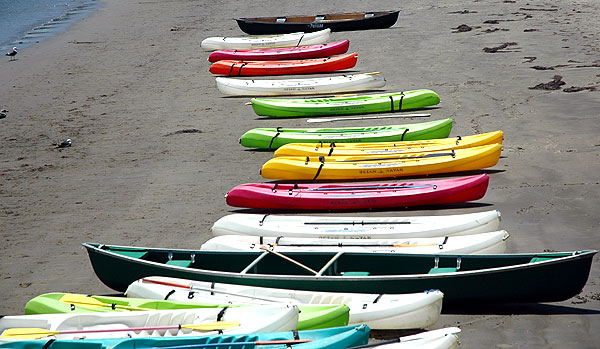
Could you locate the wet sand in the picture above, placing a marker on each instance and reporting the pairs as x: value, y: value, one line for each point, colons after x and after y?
x: 124, y: 82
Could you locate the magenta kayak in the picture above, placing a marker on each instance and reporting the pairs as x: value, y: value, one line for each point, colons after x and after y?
x: 358, y: 196
x: 270, y: 54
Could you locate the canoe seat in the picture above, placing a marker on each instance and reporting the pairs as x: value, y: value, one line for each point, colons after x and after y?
x: 185, y: 263
x: 540, y: 259
x: 281, y: 20
x: 133, y: 254
x: 437, y: 270
x: 442, y: 270
x: 179, y: 263
x: 355, y: 273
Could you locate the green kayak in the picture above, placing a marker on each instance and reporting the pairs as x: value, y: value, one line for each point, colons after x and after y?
x: 361, y: 104
x: 312, y: 317
x: 273, y: 138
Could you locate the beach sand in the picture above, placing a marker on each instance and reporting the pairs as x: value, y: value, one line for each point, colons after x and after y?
x: 154, y: 143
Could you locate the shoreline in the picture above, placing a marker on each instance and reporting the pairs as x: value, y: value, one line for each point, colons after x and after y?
x: 122, y: 82
x: 51, y: 27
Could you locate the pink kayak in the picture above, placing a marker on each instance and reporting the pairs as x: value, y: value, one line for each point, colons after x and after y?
x: 270, y: 54
x: 353, y: 196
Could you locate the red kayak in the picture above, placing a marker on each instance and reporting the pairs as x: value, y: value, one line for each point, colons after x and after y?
x: 355, y: 196
x: 271, y: 54
x: 284, y: 67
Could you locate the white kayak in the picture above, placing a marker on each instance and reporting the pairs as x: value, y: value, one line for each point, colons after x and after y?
x: 342, y: 227
x: 311, y: 86
x: 378, y: 311
x: 264, y: 318
x: 265, y: 41
x: 483, y: 243
x: 445, y: 338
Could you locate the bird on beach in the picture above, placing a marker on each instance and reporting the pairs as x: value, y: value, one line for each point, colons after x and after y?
x: 12, y: 53
x: 64, y: 144
x: 3, y: 113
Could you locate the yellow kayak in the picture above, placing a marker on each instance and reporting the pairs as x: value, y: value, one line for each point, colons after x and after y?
x: 388, y: 148
x: 367, y: 167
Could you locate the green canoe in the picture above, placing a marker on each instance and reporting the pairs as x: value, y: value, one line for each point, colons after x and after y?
x: 362, y: 104
x: 273, y: 138
x: 311, y: 317
x: 470, y: 279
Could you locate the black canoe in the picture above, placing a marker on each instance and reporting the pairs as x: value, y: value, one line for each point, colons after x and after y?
x: 334, y: 21
x: 471, y: 279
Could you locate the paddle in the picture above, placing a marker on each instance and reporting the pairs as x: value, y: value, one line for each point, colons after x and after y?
x: 286, y: 342
x: 36, y: 333
x: 355, y: 223
x: 353, y: 245
x: 368, y: 117
x: 288, y: 259
x: 427, y: 155
x: 87, y: 300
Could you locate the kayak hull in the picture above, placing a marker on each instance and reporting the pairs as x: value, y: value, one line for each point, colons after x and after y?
x: 361, y: 104
x: 383, y: 311
x: 484, y: 243
x: 284, y: 67
x: 388, y: 148
x: 330, y: 338
x: 363, y: 196
x: 273, y: 138
x: 352, y: 227
x: 270, y: 54
x: 333, y: 84
x: 311, y: 316
x: 343, y: 168
x: 266, y: 41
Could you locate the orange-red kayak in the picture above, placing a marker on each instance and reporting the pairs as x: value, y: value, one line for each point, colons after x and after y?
x: 284, y: 67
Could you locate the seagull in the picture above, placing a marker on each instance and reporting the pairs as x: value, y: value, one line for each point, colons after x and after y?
x: 12, y: 53
x: 64, y: 144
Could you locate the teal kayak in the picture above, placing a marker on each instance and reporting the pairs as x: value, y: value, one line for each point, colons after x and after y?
x: 273, y: 138
x: 345, y: 105
x: 329, y: 338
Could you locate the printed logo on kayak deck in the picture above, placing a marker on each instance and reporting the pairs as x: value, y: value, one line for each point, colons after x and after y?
x: 300, y: 88
x: 315, y: 25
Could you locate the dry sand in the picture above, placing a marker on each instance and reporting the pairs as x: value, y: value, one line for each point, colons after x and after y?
x: 123, y: 82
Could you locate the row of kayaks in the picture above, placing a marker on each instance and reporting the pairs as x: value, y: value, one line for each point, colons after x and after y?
x: 281, y: 281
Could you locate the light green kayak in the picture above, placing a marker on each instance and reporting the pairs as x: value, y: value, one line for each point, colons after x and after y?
x: 362, y: 104
x: 311, y: 316
x: 273, y: 138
